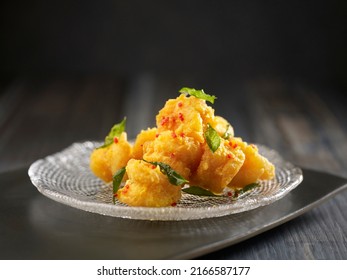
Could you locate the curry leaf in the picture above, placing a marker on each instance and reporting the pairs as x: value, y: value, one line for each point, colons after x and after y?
x: 227, y: 133
x: 117, y: 180
x: 115, y: 131
x: 174, y: 178
x: 198, y: 94
x: 195, y: 190
x: 212, y: 138
x: 245, y: 189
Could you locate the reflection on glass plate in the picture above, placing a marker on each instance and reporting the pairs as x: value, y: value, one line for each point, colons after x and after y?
x: 66, y: 178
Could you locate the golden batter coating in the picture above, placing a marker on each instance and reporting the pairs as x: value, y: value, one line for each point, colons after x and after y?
x: 223, y: 127
x: 147, y: 186
x: 256, y: 167
x: 216, y: 170
x: 104, y: 162
x: 180, y: 152
x: 143, y: 137
x: 186, y: 116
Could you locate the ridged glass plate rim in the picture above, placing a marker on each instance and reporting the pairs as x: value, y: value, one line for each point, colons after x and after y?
x: 254, y: 199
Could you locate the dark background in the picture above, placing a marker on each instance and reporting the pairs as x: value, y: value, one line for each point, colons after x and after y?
x: 236, y: 40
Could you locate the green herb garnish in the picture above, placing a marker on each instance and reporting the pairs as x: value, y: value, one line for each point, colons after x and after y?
x: 117, y: 180
x: 245, y: 189
x: 198, y: 94
x: 174, y: 178
x: 195, y: 190
x: 115, y: 131
x: 227, y: 133
x: 212, y: 138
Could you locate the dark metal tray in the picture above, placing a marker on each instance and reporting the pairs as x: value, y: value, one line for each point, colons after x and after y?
x: 35, y: 227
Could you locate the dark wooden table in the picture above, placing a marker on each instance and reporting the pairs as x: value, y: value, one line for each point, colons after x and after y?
x: 307, y: 125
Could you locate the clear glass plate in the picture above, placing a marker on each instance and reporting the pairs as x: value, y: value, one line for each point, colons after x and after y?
x: 65, y: 177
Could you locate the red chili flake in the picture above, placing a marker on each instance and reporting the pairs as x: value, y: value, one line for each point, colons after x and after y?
x: 182, y: 134
x: 157, y: 135
x: 230, y: 156
x: 173, y: 134
x: 164, y: 120
x: 174, y: 204
x: 234, y: 146
x: 153, y: 166
x: 115, y: 195
x: 115, y: 140
x: 229, y: 193
x: 180, y: 104
x: 181, y: 117
x: 172, y: 155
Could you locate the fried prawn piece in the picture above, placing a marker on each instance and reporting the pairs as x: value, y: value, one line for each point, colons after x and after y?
x: 216, y: 170
x: 256, y: 167
x: 147, y: 186
x: 186, y: 116
x: 223, y: 127
x: 143, y: 137
x: 104, y: 162
x: 181, y: 153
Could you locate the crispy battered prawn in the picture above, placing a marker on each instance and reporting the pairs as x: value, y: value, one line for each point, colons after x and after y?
x: 186, y: 116
x: 143, y: 137
x: 216, y: 170
x: 104, y: 162
x: 147, y: 186
x: 182, y: 153
x: 256, y: 167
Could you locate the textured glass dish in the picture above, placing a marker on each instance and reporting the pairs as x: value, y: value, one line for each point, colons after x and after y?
x: 65, y: 177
